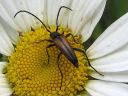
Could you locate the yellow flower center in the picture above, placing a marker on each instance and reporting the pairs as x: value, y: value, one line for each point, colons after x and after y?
x: 30, y: 74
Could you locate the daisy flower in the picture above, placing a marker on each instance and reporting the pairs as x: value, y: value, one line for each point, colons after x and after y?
x: 30, y: 68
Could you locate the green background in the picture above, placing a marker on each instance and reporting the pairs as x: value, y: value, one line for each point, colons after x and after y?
x: 113, y: 10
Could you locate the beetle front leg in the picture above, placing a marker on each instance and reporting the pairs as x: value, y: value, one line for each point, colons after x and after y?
x: 58, y: 57
x: 49, y: 41
x: 69, y: 34
x: 49, y: 46
x: 80, y: 50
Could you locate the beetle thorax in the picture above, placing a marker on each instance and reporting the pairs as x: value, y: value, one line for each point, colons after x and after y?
x: 54, y: 35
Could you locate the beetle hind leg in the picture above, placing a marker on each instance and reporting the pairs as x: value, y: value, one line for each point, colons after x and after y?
x: 80, y: 50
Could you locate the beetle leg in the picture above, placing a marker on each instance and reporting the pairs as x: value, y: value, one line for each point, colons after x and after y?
x: 45, y: 40
x: 80, y: 50
x: 62, y: 33
x: 69, y: 34
x: 58, y: 57
x: 47, y: 50
x: 49, y: 41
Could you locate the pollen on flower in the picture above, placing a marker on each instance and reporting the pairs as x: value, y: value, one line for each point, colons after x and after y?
x: 30, y: 74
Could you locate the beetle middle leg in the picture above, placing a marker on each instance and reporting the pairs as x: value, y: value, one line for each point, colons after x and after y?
x: 58, y: 57
x: 69, y: 34
x: 49, y: 46
x: 80, y: 50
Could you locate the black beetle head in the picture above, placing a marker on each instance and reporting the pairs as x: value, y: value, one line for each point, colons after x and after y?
x: 54, y: 35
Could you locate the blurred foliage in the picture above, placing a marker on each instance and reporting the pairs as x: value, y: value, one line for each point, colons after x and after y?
x: 0, y: 57
x: 113, y: 10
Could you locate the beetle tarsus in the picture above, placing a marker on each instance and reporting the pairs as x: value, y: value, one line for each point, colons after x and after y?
x: 69, y: 34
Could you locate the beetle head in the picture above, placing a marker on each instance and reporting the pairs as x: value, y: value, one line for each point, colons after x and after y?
x: 54, y: 35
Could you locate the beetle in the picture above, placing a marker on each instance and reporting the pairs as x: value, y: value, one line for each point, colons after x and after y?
x: 60, y: 41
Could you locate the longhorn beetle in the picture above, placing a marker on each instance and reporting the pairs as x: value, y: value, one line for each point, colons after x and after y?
x: 60, y: 41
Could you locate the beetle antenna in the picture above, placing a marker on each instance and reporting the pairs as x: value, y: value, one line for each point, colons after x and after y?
x: 59, y: 14
x: 33, y: 16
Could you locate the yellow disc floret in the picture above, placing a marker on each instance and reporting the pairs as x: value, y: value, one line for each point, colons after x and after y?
x: 31, y: 74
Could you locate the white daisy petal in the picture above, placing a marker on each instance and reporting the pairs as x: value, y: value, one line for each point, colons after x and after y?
x: 23, y: 21
x: 87, y: 30
x: 111, y: 40
x: 85, y: 16
x: 4, y: 87
x: 49, y: 10
x: 13, y: 35
x: 6, y: 46
x: 53, y: 8
x: 9, y: 9
x: 7, y: 18
x: 26, y: 18
x: 64, y: 14
x: 112, y: 76
x: 76, y: 13
x: 37, y: 8
x: 2, y: 64
x: 102, y: 88
x: 115, y: 62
